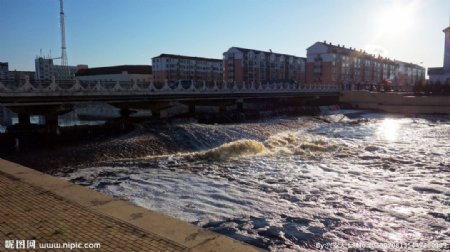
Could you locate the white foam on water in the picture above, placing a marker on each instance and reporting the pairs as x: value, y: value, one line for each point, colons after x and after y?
x: 341, y: 181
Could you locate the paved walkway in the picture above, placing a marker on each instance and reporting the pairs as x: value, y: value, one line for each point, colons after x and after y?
x: 60, y: 212
x: 31, y: 213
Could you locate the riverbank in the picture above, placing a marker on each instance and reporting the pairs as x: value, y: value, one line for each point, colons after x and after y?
x: 396, y: 103
x: 45, y: 210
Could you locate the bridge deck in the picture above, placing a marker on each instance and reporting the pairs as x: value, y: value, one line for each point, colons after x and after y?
x: 28, y: 100
x: 60, y: 92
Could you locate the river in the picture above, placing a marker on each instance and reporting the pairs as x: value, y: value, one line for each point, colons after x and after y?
x: 362, y: 178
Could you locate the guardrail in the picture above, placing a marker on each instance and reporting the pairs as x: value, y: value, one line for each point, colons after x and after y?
x: 96, y: 88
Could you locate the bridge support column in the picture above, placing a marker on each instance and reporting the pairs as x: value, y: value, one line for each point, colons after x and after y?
x: 191, y: 109
x: 125, y: 117
x: 240, y: 106
x: 125, y: 113
x: 156, y: 113
x: 24, y: 119
x: 51, y: 124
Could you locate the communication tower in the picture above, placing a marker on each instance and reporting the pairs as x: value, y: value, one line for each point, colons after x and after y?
x: 63, y: 34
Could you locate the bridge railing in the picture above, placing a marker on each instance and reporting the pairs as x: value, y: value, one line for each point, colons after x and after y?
x: 113, y: 88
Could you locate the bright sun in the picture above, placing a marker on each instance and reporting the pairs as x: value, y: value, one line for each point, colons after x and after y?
x: 397, y: 17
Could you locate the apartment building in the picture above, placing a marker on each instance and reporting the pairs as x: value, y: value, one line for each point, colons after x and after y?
x: 243, y: 65
x: 4, y: 70
x: 170, y: 68
x: 21, y: 76
x: 335, y: 64
x: 46, y: 70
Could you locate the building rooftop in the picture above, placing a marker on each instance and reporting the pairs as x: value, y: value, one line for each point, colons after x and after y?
x: 174, y: 56
x: 246, y: 50
x: 363, y: 54
x: 131, y: 69
x: 353, y: 51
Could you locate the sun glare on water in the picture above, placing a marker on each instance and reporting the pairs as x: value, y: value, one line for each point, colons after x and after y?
x: 389, y: 129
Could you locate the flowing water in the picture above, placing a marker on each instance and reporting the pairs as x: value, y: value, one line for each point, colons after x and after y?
x: 375, y: 178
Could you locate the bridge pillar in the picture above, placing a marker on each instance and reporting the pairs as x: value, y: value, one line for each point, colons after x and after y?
x: 125, y: 113
x: 24, y: 119
x: 156, y: 113
x: 191, y: 109
x: 51, y: 124
x: 240, y: 106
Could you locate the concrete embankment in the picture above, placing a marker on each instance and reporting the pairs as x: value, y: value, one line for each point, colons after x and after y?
x: 46, y: 209
x: 396, y: 103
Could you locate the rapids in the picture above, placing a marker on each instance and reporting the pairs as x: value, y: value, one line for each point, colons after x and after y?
x: 371, y: 178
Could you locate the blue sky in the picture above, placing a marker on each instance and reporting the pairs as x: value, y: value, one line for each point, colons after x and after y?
x: 113, y: 32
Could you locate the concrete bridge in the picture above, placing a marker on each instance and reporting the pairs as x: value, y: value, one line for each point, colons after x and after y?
x: 52, y: 98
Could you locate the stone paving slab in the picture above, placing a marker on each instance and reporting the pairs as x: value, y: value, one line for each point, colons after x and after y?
x: 39, y: 207
x: 31, y: 213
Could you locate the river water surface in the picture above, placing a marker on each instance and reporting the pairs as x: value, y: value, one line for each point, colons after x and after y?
x: 372, y: 178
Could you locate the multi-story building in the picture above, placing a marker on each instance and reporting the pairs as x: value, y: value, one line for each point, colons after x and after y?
x: 46, y: 70
x: 170, y: 67
x: 409, y: 74
x: 17, y: 76
x: 253, y: 66
x: 441, y: 75
x: 116, y: 73
x: 21, y: 76
x: 336, y: 64
x: 43, y: 68
x: 4, y: 70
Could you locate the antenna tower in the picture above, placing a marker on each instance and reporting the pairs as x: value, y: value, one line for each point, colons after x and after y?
x: 63, y: 34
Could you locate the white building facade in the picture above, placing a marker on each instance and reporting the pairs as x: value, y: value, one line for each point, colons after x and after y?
x: 441, y: 75
x: 46, y: 70
x: 171, y: 67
